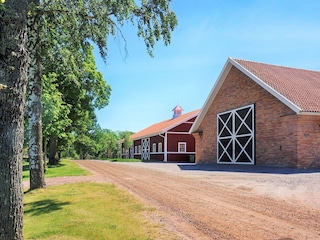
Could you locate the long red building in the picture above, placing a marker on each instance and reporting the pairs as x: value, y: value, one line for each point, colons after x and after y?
x: 168, y: 141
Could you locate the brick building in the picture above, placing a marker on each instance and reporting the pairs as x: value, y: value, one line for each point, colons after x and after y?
x: 261, y: 114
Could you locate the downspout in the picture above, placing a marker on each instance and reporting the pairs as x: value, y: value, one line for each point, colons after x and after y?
x: 165, y: 157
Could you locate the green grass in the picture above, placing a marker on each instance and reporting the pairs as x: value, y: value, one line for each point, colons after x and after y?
x: 66, y: 167
x: 87, y: 211
x: 122, y: 159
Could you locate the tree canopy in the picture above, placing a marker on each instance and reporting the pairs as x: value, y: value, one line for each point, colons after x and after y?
x: 64, y: 30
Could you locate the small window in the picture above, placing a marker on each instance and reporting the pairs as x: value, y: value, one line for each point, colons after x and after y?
x: 154, y: 147
x: 139, y: 148
x: 160, y: 147
x: 135, y: 149
x: 182, y: 147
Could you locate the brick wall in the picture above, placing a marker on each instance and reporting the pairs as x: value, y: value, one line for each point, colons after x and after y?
x: 308, y: 132
x: 276, y: 125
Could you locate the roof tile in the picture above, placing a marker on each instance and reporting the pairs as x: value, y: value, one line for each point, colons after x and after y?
x: 160, y: 127
x: 300, y: 86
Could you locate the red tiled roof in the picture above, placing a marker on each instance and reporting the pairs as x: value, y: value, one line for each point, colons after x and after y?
x: 161, y: 127
x: 299, y: 89
x: 299, y: 86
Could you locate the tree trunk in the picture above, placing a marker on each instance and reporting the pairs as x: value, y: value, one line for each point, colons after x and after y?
x: 13, y: 75
x: 36, y: 165
x: 53, y: 151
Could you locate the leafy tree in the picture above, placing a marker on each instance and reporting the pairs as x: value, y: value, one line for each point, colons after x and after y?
x: 55, y: 115
x: 13, y: 80
x: 82, y: 22
x: 82, y: 89
x: 110, y: 146
x: 86, y: 146
x: 125, y: 136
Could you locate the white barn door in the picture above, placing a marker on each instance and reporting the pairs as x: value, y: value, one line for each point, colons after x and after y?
x: 131, y: 152
x: 235, y: 136
x: 145, y: 155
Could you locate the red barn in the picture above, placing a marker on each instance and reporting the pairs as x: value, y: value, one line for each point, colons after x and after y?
x: 261, y: 114
x: 168, y: 141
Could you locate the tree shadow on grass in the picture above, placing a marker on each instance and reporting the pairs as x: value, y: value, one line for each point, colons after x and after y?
x: 56, y: 166
x: 44, y: 206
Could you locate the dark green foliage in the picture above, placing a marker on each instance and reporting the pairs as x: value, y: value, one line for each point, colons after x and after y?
x: 96, y: 20
x: 71, y: 80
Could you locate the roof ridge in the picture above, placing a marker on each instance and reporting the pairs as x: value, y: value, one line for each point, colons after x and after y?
x: 275, y: 65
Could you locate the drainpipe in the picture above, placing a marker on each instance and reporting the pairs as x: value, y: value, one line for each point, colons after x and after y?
x: 164, y: 147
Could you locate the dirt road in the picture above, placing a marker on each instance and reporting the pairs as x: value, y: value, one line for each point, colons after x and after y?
x: 203, y: 203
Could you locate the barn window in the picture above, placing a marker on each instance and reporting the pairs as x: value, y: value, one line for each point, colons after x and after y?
x: 159, y: 147
x: 154, y: 147
x: 135, y: 149
x: 182, y: 146
x: 139, y: 148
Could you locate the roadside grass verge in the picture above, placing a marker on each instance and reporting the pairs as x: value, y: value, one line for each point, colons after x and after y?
x: 65, y: 168
x: 87, y: 211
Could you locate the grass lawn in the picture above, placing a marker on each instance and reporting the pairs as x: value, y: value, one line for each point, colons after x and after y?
x: 87, y: 211
x: 65, y: 168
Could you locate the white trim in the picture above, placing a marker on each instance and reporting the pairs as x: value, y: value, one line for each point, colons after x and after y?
x: 220, y: 80
x: 165, y: 154
x: 160, y: 147
x: 216, y: 87
x: 165, y: 149
x: 131, y: 152
x: 180, y: 122
x: 182, y: 133
x: 145, y: 155
x: 182, y: 144
x: 181, y: 152
x: 310, y: 113
x: 233, y: 136
x: 186, y: 119
x: 266, y: 87
x: 154, y: 147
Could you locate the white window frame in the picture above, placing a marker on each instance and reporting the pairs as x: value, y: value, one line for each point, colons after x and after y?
x: 135, y: 149
x: 160, y: 147
x: 154, y: 147
x: 180, y: 144
x: 139, y: 148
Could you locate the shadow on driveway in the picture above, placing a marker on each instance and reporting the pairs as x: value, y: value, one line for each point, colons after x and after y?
x: 244, y: 168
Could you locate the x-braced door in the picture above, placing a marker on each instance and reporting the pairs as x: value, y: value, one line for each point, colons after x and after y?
x: 145, y: 149
x: 235, y: 137
x: 131, y: 152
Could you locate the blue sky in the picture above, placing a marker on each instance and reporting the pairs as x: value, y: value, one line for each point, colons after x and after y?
x: 145, y: 89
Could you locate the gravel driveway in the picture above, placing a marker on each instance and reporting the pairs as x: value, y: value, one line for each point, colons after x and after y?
x: 219, y: 201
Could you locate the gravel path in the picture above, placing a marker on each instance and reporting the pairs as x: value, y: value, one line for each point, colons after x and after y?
x: 219, y: 201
